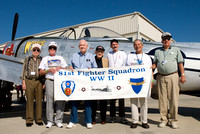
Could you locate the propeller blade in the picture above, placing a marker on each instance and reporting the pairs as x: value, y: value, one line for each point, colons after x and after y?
x: 15, y: 26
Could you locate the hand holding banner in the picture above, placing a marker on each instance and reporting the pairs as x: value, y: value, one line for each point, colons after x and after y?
x: 103, y: 83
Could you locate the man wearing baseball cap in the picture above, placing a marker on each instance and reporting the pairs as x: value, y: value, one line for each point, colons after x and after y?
x: 32, y: 84
x: 101, y: 63
x: 167, y: 60
x: 49, y: 66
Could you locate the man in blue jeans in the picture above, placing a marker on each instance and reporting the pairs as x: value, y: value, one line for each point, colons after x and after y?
x: 81, y: 60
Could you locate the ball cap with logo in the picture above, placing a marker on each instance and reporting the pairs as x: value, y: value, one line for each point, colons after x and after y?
x: 100, y: 48
x: 36, y: 45
x: 52, y: 43
x: 166, y: 34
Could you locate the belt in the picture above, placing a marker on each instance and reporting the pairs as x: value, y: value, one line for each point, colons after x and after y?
x: 32, y: 79
x: 168, y: 74
x: 49, y: 79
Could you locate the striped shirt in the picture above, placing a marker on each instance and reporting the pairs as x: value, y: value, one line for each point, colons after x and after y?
x: 30, y: 68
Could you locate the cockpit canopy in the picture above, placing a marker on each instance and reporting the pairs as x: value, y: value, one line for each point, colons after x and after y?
x: 99, y: 32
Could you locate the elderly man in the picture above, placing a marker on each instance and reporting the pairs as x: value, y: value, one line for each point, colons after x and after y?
x: 32, y: 84
x: 139, y: 58
x: 117, y: 58
x: 81, y: 60
x: 48, y: 67
x: 167, y: 60
x: 101, y: 63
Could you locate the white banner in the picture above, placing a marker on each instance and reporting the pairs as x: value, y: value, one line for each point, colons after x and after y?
x: 103, y: 83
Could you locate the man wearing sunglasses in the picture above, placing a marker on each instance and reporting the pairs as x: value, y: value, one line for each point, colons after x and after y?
x: 167, y: 60
x: 32, y: 84
x: 48, y: 67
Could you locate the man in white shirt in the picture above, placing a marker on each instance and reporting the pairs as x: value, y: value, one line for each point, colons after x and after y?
x: 117, y: 58
x: 139, y: 58
x: 48, y: 67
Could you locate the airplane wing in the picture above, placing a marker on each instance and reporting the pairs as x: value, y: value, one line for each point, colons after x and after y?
x: 11, y: 68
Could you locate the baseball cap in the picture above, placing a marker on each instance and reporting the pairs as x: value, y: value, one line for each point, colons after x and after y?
x: 52, y: 43
x: 166, y: 34
x: 100, y: 48
x: 36, y: 45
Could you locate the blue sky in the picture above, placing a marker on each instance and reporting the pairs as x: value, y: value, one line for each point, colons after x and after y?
x: 179, y: 17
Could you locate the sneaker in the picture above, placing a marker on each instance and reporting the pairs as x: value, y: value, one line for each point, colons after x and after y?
x: 162, y: 124
x: 113, y: 119
x: 60, y: 125
x: 49, y: 124
x: 174, y: 125
x: 89, y: 125
x: 70, y: 125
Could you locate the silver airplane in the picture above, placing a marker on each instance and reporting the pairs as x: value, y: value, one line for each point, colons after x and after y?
x: 15, y: 51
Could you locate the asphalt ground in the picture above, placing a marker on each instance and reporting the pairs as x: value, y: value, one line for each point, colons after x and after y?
x: 13, y: 120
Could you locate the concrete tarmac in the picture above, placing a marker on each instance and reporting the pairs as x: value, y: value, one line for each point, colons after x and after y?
x: 13, y: 121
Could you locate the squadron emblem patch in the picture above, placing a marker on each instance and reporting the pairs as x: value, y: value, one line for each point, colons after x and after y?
x: 68, y: 87
x: 136, y: 84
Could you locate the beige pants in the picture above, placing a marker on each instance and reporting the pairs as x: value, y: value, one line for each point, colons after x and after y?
x: 143, y: 109
x: 168, y: 93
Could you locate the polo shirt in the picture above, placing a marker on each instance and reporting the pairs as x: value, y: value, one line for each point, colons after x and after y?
x: 167, y: 60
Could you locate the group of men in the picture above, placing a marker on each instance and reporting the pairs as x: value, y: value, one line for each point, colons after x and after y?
x: 38, y: 73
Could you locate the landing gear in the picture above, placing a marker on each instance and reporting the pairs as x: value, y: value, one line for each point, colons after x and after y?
x: 5, y: 95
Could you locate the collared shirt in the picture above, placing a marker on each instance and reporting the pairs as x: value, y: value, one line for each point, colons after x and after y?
x: 79, y: 61
x: 139, y: 59
x: 52, y: 62
x: 167, y: 60
x: 117, y: 59
x: 30, y: 68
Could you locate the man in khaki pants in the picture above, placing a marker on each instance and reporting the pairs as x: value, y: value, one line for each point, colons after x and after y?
x: 167, y: 60
x: 32, y: 84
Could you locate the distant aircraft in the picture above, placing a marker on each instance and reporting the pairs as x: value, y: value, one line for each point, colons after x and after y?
x: 15, y: 51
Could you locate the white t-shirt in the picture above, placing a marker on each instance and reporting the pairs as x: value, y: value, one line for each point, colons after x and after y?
x: 117, y: 59
x: 52, y: 62
x: 138, y: 59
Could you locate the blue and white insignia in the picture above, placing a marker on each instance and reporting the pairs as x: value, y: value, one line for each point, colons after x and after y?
x: 68, y: 87
x: 136, y: 84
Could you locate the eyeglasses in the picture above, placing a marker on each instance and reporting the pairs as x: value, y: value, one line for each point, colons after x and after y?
x: 38, y: 50
x: 54, y: 48
x: 164, y: 39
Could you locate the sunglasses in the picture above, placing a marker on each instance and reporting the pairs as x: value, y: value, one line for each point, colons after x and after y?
x: 54, y: 48
x: 37, y: 50
x: 164, y: 39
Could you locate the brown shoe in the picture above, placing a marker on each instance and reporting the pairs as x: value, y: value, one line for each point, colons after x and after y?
x: 134, y: 125
x: 145, y: 125
x: 93, y: 122
x: 103, y: 122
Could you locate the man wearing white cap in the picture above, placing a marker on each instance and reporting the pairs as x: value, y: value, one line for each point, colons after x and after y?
x: 167, y: 60
x: 32, y: 84
x: 48, y: 66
